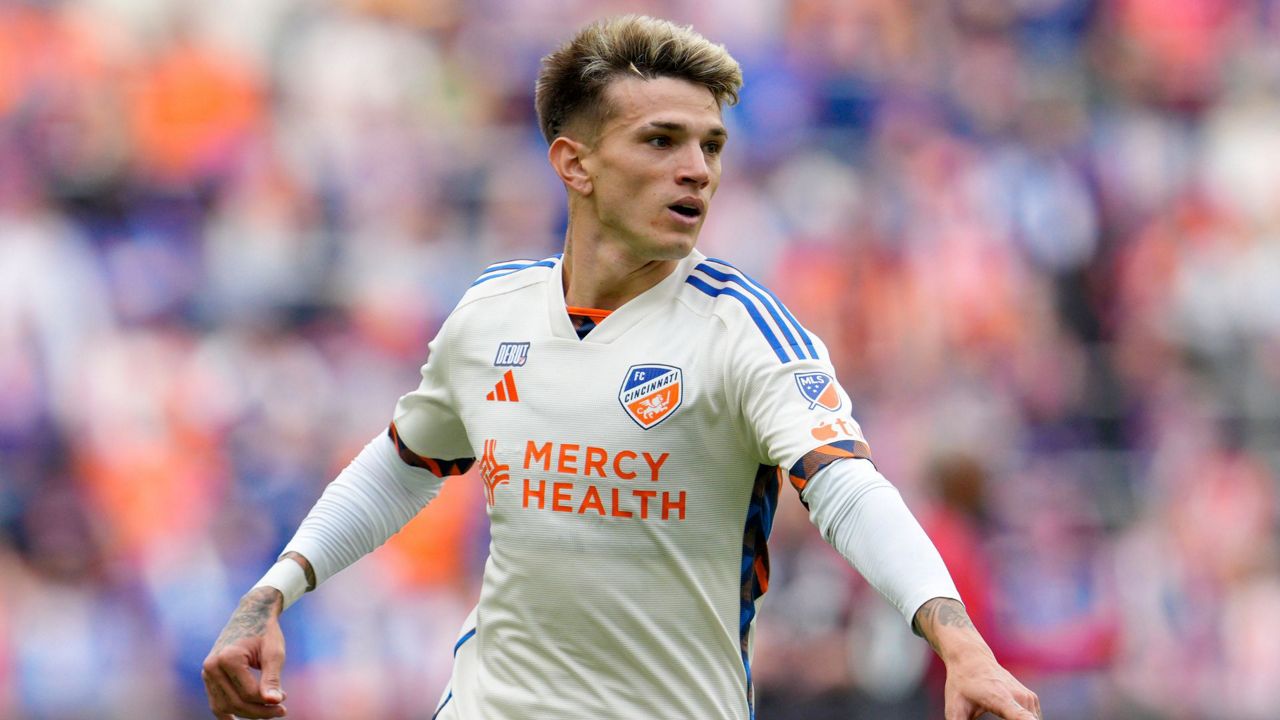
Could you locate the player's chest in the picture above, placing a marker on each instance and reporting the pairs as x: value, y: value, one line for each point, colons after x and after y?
x: 642, y: 388
x: 583, y: 433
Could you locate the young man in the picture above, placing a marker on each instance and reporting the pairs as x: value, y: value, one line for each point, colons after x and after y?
x: 635, y: 408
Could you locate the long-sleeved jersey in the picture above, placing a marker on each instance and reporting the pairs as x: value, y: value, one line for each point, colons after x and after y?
x: 631, y: 479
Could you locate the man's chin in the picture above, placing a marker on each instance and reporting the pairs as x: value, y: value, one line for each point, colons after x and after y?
x: 666, y: 246
x: 679, y: 247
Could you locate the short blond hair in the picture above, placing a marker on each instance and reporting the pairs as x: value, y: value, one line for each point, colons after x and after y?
x: 572, y: 82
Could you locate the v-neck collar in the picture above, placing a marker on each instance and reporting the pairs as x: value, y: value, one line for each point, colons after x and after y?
x: 622, y: 319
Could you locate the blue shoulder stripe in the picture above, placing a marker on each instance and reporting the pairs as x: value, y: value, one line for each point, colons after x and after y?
x: 509, y: 265
x: 515, y: 266
x: 808, y: 342
x: 751, y: 310
x: 772, y: 307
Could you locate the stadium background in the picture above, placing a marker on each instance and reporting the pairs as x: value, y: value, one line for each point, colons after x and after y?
x: 1041, y: 237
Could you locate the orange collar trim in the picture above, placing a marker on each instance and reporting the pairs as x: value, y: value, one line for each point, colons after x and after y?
x: 592, y: 313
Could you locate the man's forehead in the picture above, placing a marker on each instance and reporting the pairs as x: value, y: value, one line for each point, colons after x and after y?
x: 662, y: 102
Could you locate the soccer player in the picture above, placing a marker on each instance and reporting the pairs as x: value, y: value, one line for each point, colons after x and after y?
x: 635, y: 408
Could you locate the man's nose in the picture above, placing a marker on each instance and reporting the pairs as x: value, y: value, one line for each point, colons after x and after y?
x: 693, y: 169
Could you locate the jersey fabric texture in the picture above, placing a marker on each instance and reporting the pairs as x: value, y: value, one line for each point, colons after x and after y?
x: 631, y: 479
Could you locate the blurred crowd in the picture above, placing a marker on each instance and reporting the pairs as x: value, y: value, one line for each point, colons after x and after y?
x: 1041, y: 238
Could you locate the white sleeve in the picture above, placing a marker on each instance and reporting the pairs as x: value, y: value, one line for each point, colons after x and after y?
x: 864, y: 517
x: 369, y: 501
x: 426, y: 421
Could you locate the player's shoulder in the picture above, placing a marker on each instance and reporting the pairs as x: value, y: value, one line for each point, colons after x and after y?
x: 746, y: 306
x: 506, y: 277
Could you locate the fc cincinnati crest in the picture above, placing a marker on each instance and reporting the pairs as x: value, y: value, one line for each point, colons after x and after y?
x: 651, y: 393
x: 819, y: 389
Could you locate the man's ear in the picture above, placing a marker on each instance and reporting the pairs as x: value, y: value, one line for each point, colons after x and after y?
x: 566, y: 156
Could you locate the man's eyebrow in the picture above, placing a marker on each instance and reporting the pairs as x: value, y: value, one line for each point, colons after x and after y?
x: 716, y: 131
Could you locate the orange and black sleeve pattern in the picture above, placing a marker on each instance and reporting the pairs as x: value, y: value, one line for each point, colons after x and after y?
x: 437, y: 467
x: 822, y: 456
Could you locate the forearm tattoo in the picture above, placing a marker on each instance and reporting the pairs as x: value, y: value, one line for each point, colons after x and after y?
x: 250, y: 618
x: 938, y: 612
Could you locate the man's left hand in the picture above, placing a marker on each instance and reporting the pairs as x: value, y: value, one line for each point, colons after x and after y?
x: 976, y: 682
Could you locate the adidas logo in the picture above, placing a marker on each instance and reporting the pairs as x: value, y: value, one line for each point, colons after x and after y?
x: 505, y: 390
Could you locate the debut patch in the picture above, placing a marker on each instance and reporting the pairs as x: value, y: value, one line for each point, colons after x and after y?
x: 511, y: 354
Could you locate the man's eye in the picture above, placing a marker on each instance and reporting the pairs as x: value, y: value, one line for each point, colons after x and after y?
x: 660, y: 141
x: 712, y: 148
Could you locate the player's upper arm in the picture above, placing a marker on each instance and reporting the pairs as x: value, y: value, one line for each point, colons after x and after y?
x: 426, y: 423
x: 780, y: 378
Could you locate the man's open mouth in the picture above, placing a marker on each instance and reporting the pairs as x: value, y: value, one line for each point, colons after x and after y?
x: 688, y: 211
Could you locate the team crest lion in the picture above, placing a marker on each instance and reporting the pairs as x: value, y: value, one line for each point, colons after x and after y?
x: 651, y: 393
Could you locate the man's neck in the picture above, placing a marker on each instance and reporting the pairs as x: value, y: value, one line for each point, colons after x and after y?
x: 600, y: 275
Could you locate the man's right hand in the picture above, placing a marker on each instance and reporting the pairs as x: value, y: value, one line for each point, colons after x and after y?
x: 251, y: 639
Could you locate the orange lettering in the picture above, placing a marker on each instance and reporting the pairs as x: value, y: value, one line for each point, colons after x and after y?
x: 560, y: 497
x: 668, y: 506
x: 645, y: 496
x: 592, y: 499
x: 567, y: 456
x: 596, y: 458
x: 655, y: 465
x: 617, y: 466
x: 617, y: 510
x: 533, y: 453
x: 541, y: 493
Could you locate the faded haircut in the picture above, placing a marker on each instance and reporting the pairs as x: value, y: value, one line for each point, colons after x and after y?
x: 571, y: 85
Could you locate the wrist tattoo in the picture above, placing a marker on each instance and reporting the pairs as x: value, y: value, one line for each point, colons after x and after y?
x: 938, y: 612
x: 250, y: 618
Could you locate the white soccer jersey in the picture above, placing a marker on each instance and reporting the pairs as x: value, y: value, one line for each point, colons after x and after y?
x: 631, y: 480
